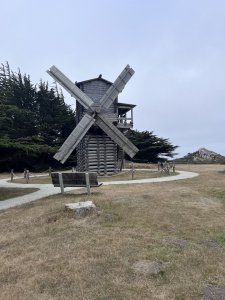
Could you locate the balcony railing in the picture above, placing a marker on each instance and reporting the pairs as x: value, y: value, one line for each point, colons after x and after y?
x: 124, y: 122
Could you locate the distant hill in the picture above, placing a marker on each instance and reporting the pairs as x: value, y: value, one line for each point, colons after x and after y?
x: 202, y: 156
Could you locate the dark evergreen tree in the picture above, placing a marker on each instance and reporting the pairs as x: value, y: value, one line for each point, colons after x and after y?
x: 150, y: 146
x: 56, y: 119
x: 34, y: 121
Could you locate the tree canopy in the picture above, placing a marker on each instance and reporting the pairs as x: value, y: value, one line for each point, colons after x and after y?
x: 151, y: 148
x: 34, y: 121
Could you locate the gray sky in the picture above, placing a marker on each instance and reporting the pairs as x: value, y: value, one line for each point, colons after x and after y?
x: 176, y: 47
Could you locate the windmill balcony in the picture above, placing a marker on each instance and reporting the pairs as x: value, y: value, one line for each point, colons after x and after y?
x: 125, y: 123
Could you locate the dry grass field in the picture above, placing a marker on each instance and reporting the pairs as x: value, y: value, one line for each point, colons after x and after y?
x: 46, y: 253
x: 7, y: 193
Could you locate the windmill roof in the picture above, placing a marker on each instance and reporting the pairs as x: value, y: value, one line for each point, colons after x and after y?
x: 94, y: 79
x: 125, y: 105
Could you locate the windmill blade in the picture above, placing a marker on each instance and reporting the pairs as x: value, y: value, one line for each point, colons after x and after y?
x: 74, y: 138
x: 116, y: 87
x: 116, y: 135
x: 75, y: 92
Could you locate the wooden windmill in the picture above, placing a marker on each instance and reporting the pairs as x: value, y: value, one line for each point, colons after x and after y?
x: 101, y: 123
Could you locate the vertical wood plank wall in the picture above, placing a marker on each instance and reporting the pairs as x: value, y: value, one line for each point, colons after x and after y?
x: 97, y: 152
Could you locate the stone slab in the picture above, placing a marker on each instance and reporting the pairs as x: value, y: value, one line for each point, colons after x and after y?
x: 147, y: 267
x: 81, y: 208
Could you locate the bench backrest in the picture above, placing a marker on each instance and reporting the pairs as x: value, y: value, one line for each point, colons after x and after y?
x: 75, y: 179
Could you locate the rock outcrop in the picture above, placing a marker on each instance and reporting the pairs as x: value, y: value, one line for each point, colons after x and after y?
x: 202, y: 156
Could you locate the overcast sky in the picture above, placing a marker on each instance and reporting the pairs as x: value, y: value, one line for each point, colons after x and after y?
x: 176, y: 47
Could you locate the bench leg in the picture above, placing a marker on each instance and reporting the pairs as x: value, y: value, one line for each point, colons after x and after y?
x: 61, y: 183
x: 87, y: 183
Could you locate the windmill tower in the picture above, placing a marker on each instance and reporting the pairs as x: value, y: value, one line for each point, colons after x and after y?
x: 101, y: 123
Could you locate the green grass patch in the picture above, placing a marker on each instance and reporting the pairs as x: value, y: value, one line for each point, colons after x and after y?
x: 221, y: 239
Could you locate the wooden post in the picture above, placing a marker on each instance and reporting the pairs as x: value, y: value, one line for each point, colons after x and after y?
x: 27, y: 176
x: 12, y: 174
x: 25, y: 173
x: 132, y: 121
x: 174, y: 168
x: 73, y: 169
x: 87, y: 183
x: 122, y: 160
x: 132, y: 171
x: 158, y: 166
x: 168, y: 168
x: 61, y: 183
x: 49, y: 171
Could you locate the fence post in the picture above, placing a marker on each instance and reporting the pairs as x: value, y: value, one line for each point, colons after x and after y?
x: 27, y: 176
x: 132, y: 171
x: 12, y: 174
x: 61, y: 183
x: 49, y: 171
x: 88, y: 183
x: 174, y: 168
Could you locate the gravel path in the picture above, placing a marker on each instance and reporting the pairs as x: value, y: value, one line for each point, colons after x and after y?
x: 48, y: 189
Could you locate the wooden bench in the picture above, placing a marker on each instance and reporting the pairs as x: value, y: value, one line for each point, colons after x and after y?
x: 77, y: 179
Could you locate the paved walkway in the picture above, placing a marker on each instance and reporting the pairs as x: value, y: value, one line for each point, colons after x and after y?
x: 48, y: 189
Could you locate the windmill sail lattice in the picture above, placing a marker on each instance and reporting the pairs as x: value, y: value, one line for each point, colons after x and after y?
x: 96, y: 109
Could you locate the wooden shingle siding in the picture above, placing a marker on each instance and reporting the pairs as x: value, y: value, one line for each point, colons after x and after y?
x: 95, y: 89
x: 98, y: 153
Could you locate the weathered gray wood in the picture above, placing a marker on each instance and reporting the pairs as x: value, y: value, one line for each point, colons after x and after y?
x: 49, y: 171
x: 25, y: 173
x: 12, y: 174
x: 116, y: 136
x: 27, y: 176
x: 70, y: 87
x: 99, y: 158
x: 76, y: 179
x: 96, y: 99
x: 87, y: 183
x: 132, y: 171
x: 74, y: 138
x: 61, y: 183
x: 116, y: 87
